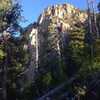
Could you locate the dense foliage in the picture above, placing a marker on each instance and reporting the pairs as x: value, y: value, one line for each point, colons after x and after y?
x: 80, y: 60
x: 13, y: 57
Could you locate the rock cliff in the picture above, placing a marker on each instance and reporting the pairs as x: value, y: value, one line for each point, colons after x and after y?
x: 56, y: 28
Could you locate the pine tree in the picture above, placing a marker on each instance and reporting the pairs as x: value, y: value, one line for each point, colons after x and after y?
x: 12, y: 55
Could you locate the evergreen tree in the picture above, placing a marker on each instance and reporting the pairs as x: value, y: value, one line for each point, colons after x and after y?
x: 13, y: 57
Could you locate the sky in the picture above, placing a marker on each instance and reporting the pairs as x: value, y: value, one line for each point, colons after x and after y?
x: 33, y: 8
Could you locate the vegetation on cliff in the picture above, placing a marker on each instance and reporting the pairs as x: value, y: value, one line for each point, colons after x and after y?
x: 56, y: 58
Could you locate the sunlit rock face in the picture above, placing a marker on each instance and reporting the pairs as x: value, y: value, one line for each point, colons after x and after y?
x: 55, y: 24
x: 51, y: 36
x: 66, y: 14
x: 32, y: 36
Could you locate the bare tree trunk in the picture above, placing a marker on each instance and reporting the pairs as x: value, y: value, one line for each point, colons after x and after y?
x: 4, y: 81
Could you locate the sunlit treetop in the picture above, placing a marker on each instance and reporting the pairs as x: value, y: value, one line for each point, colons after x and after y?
x: 5, y: 4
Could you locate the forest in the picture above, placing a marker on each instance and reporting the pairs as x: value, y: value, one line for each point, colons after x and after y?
x: 55, y: 58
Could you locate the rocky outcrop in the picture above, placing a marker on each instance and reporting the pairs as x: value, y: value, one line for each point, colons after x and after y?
x: 56, y: 26
x: 66, y: 14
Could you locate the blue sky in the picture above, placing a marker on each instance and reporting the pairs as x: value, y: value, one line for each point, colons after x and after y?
x: 33, y: 8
